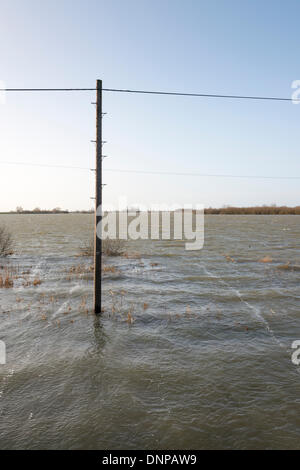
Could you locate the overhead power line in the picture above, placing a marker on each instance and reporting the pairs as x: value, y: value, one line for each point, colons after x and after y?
x: 45, y: 89
x: 201, y: 95
x: 45, y: 165
x: 195, y: 173
x: 153, y: 92
x: 154, y: 172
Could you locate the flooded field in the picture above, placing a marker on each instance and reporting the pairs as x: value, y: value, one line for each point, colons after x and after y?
x: 192, y: 351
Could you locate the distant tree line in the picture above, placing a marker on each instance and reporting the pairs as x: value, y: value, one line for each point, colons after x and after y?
x: 257, y: 210
x: 37, y: 210
x: 56, y: 210
x: 228, y: 210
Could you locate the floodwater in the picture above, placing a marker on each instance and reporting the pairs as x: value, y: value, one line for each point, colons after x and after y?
x: 192, y: 351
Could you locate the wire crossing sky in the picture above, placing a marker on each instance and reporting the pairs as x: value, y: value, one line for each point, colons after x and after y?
x: 151, y: 172
x: 152, y: 92
x: 231, y: 65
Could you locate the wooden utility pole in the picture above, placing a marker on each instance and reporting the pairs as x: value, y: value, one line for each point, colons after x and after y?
x: 98, y: 208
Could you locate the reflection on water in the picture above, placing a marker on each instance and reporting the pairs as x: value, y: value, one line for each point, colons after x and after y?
x: 193, y: 349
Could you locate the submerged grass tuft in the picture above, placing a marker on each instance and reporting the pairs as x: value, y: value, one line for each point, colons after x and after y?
x: 6, y: 242
x: 109, y: 248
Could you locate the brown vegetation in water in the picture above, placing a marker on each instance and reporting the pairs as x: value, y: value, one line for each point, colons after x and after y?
x: 266, y: 259
x: 109, y: 269
x: 229, y: 259
x: 109, y: 248
x: 284, y: 266
x: 6, y: 243
x: 6, y: 281
x: 9, y: 274
x: 132, y: 255
x: 120, y: 308
x: 81, y: 270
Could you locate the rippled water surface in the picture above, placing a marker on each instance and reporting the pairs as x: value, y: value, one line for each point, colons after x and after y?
x: 193, y: 349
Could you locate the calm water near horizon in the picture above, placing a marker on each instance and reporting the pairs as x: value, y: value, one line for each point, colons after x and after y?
x: 193, y: 350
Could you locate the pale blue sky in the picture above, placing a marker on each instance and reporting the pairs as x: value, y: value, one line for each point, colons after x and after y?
x: 216, y: 46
